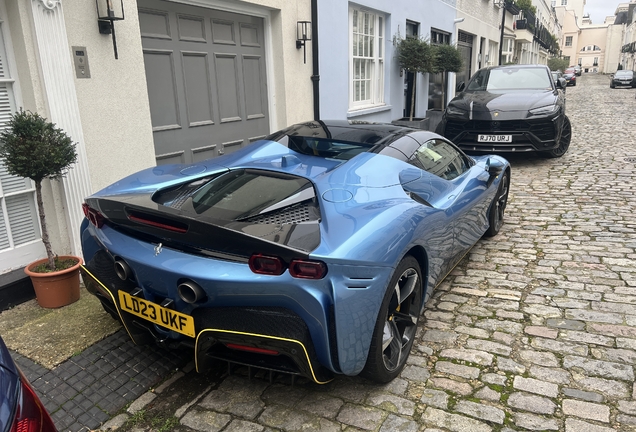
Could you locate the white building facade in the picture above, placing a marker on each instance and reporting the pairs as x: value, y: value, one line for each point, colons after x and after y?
x: 176, y: 62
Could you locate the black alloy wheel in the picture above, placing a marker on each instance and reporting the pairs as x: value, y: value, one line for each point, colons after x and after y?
x: 396, y: 325
x: 564, y: 142
x: 498, y: 207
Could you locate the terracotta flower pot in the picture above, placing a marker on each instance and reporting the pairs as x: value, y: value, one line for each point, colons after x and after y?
x: 55, y: 289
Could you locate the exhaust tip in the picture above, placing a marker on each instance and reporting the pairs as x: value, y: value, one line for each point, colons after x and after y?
x: 122, y: 269
x: 190, y: 292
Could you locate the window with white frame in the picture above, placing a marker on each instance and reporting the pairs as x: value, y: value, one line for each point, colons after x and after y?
x: 19, y: 226
x: 568, y: 41
x: 564, y: 2
x: 366, y: 68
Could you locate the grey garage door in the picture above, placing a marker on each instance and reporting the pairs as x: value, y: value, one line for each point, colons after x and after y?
x: 205, y: 71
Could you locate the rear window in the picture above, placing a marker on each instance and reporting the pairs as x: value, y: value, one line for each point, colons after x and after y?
x: 246, y: 195
x: 324, y: 147
x: 624, y: 74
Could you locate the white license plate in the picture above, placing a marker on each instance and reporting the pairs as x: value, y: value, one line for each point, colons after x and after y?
x: 495, y: 138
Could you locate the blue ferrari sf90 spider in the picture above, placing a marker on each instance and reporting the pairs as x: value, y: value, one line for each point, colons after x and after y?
x: 310, y: 252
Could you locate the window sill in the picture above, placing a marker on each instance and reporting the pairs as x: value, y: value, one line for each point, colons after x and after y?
x: 365, y: 111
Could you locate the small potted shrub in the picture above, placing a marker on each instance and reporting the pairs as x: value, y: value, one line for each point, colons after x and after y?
x: 34, y: 148
x: 414, y: 55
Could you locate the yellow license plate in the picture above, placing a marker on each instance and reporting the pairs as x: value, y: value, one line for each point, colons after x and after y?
x: 168, y: 318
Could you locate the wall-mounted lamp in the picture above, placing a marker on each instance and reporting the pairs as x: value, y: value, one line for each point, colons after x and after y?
x: 487, y: 59
x: 108, y: 11
x: 479, y: 57
x: 303, y: 34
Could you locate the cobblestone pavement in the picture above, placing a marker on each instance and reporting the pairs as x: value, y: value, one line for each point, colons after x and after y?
x: 535, y: 330
x: 89, y: 388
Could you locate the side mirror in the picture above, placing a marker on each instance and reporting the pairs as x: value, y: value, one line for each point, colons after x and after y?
x: 461, y: 86
x: 494, y: 167
x: 561, y: 83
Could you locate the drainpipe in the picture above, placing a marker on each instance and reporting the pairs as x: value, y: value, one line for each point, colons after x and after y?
x: 501, y: 37
x: 315, y: 77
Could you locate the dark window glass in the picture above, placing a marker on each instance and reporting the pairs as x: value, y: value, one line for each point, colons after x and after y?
x: 440, y: 158
x: 241, y: 194
x: 324, y: 147
x: 405, y: 145
x: 512, y: 78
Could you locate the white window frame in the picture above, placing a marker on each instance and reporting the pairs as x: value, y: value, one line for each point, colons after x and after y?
x: 568, y: 41
x: 15, y: 255
x: 373, y: 59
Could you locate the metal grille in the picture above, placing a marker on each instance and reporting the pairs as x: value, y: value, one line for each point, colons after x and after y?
x: 289, y: 215
x: 181, y: 198
x: 465, y: 38
x: 272, y: 321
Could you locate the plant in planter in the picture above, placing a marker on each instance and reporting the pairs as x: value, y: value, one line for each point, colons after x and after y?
x: 34, y: 148
x: 446, y: 58
x: 414, y: 55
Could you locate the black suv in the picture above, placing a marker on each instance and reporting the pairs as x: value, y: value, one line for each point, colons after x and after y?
x: 515, y: 108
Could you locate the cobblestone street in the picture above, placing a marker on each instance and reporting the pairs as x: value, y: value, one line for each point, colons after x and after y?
x: 534, y: 330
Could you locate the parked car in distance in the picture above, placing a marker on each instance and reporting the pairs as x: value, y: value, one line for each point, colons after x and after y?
x: 514, y: 108
x: 557, y: 76
x: 577, y: 69
x: 310, y: 252
x: 570, y: 76
x: 20, y: 408
x: 623, y: 78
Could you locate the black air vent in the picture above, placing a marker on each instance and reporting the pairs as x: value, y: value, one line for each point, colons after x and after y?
x: 289, y: 215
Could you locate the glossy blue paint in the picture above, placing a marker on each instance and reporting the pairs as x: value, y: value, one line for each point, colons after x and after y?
x: 369, y: 222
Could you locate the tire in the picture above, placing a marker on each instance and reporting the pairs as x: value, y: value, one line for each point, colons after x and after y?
x: 564, y: 142
x: 399, y: 315
x: 498, y: 206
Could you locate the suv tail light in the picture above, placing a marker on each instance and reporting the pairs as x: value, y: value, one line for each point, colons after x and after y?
x: 30, y: 414
x: 95, y: 217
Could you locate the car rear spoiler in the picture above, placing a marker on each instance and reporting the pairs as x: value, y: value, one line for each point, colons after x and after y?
x: 142, y: 218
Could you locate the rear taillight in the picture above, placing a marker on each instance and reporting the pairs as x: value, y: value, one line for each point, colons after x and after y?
x: 30, y: 414
x: 268, y: 265
x: 95, y: 217
x: 303, y: 269
x: 159, y: 223
x: 307, y: 269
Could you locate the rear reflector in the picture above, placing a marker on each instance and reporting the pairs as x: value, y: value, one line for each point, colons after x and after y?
x: 95, y: 217
x: 251, y: 349
x: 263, y: 264
x: 179, y: 228
x: 307, y: 269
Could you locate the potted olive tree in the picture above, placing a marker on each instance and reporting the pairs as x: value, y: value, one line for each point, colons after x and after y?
x: 34, y: 148
x: 414, y: 55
